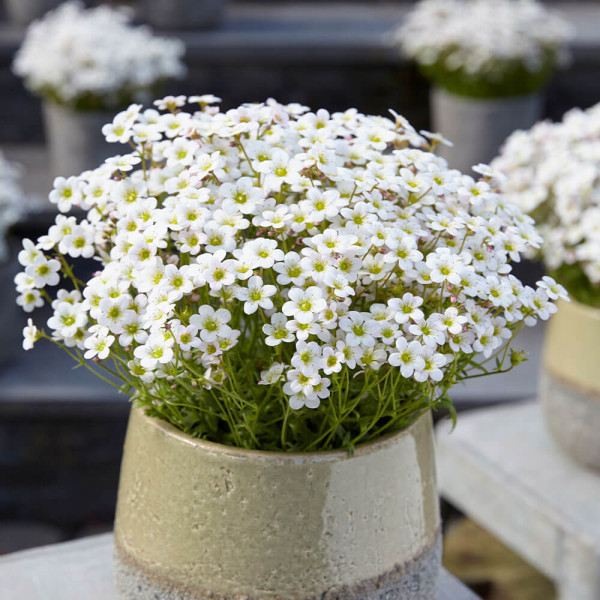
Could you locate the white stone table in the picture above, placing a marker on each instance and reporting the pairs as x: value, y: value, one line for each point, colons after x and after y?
x: 501, y: 468
x: 82, y: 570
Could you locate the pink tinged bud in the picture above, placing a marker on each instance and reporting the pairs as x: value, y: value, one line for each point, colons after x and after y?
x: 96, y: 359
x: 174, y: 386
x: 194, y: 384
x: 195, y: 297
x: 167, y: 326
x: 453, y: 298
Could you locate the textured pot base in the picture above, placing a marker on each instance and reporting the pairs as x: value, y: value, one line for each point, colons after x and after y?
x: 573, y: 418
x: 415, y: 580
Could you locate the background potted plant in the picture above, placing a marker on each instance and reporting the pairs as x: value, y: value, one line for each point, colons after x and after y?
x: 285, y: 294
x: 87, y: 65
x: 487, y: 60
x: 11, y: 209
x: 553, y: 173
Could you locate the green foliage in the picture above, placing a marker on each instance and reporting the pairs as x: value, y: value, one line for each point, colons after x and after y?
x: 578, y: 284
x: 115, y: 101
x: 509, y: 78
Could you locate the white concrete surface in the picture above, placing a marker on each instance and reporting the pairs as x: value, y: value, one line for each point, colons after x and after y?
x: 501, y: 467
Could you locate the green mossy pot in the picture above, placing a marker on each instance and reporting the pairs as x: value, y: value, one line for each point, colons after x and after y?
x: 198, y: 520
x: 570, y: 381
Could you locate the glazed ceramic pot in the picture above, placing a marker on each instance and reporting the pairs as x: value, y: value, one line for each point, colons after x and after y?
x: 23, y: 12
x: 199, y: 520
x: 183, y: 14
x: 570, y: 381
x: 478, y: 127
x: 75, y: 138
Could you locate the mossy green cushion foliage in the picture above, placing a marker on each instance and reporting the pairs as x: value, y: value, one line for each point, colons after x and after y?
x: 508, y: 79
x: 578, y: 284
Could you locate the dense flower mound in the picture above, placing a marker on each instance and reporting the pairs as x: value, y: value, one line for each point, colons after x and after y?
x: 484, y: 40
x: 332, y: 259
x: 11, y: 200
x: 553, y: 173
x: 94, y: 58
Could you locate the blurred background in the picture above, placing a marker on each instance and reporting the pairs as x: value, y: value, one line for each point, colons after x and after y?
x: 61, y: 430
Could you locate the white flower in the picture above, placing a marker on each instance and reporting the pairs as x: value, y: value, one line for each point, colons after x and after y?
x: 29, y: 300
x: 66, y: 193
x: 256, y: 294
x: 156, y: 349
x: 98, y: 344
x: 272, y: 374
x: 553, y: 289
x: 43, y: 271
x: 432, y: 368
x: 307, y: 357
x: 277, y: 331
x: 406, y: 308
x: 30, y: 335
x: 261, y: 253
x: 210, y: 322
x: 408, y: 357
x: 360, y: 329
x: 304, y: 305
x: 332, y: 360
x: 451, y: 321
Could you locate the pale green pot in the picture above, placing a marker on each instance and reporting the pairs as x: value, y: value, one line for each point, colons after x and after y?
x: 570, y: 381
x: 198, y: 520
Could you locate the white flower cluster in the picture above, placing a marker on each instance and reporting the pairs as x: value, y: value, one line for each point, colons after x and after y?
x: 73, y: 52
x: 553, y: 171
x: 11, y: 200
x: 314, y: 241
x: 476, y: 35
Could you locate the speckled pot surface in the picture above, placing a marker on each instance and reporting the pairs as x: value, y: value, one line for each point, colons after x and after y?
x: 478, y: 127
x: 75, y: 139
x: 197, y: 520
x: 570, y: 381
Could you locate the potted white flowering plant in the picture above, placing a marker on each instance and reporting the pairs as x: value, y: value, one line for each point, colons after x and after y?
x: 11, y: 208
x: 553, y: 173
x: 285, y: 294
x: 487, y: 60
x: 87, y: 65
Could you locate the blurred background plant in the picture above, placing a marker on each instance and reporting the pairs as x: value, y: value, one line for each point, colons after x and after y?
x: 60, y: 432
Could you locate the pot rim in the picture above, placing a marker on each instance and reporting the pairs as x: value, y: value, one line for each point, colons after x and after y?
x: 209, y: 447
x: 436, y: 88
x: 591, y: 312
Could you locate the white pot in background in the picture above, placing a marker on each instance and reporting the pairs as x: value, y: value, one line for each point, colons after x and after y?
x: 183, y: 14
x: 75, y: 139
x: 478, y: 127
x: 570, y: 381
